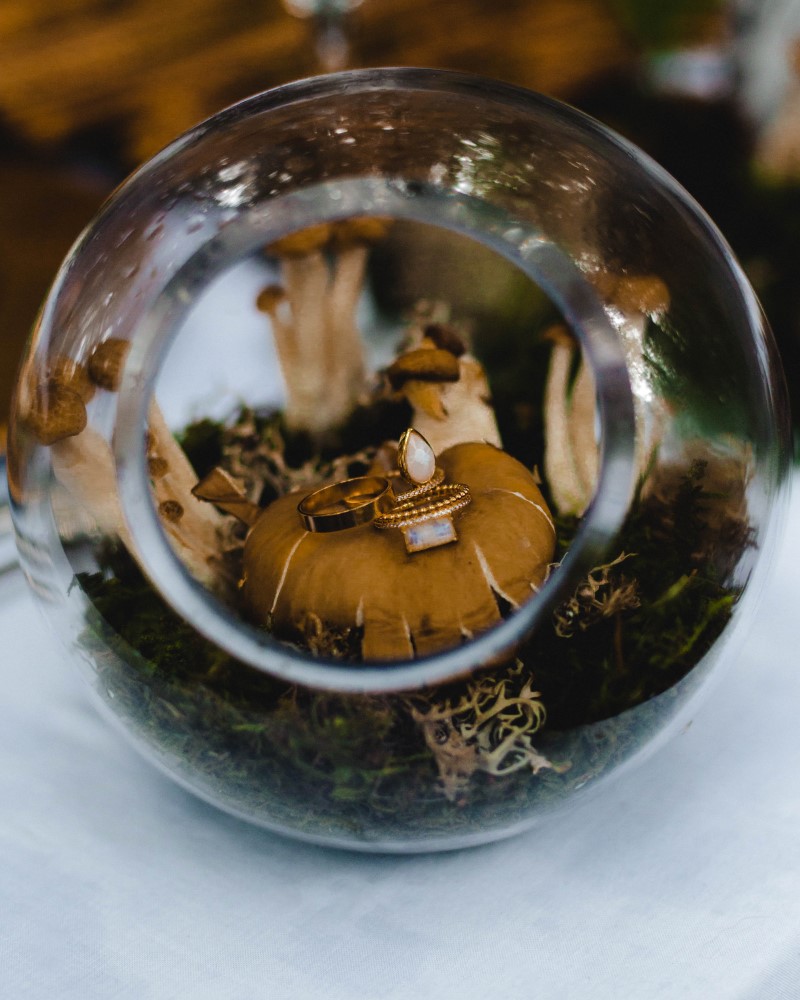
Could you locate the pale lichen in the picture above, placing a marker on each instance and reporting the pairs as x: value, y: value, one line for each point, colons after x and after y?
x: 489, y: 727
x: 603, y: 593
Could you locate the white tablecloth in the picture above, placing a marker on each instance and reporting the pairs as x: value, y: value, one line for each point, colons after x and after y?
x: 681, y: 880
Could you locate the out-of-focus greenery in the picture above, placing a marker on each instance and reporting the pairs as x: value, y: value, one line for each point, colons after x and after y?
x: 661, y: 24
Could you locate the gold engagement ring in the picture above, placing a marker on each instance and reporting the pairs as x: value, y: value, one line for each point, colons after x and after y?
x: 425, y: 512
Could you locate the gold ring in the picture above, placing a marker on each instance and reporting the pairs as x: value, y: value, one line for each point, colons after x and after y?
x: 416, y: 463
x: 346, y: 504
x: 427, y: 521
x: 438, y: 501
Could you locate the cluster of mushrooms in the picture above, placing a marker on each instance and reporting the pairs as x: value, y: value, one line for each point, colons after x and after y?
x: 55, y: 410
x: 359, y: 581
x: 361, y: 585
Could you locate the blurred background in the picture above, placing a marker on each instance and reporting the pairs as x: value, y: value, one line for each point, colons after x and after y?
x: 90, y: 88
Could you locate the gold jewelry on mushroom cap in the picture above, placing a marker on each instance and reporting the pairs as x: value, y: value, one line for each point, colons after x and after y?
x: 423, y: 513
x: 346, y: 504
x: 427, y: 521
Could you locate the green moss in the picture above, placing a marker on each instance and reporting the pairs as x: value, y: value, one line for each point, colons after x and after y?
x: 682, y: 551
x: 203, y: 443
x: 359, y: 765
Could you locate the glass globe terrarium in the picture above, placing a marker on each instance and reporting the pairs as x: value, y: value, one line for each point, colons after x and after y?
x: 394, y: 452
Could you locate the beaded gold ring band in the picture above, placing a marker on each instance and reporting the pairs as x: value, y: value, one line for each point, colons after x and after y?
x: 439, y: 501
x: 427, y: 521
x: 423, y: 488
x: 424, y: 513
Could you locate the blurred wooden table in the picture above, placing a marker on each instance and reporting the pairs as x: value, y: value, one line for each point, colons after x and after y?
x: 152, y: 69
x: 89, y: 80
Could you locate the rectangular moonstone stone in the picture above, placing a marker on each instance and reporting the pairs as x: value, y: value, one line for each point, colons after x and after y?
x: 429, y: 534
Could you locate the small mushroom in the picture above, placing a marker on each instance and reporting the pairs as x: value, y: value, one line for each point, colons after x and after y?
x: 81, y: 457
x: 571, y: 447
x: 633, y: 300
x: 313, y: 316
x: 222, y: 490
x: 447, y: 389
x: 406, y: 605
x: 426, y: 364
x: 84, y: 464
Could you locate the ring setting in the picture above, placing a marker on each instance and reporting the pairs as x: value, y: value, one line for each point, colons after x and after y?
x: 427, y: 521
x: 423, y: 513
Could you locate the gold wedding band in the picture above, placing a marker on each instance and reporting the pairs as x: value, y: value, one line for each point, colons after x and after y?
x: 346, y: 504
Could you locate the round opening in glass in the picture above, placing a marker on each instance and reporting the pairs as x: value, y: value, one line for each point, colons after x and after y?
x: 373, y: 442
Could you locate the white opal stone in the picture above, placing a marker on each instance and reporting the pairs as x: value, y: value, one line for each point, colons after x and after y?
x: 419, y: 459
x: 429, y: 534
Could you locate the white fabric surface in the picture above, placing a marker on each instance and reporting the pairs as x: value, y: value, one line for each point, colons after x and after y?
x: 681, y: 880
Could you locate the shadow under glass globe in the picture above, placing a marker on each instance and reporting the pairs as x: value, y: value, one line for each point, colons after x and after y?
x: 395, y: 453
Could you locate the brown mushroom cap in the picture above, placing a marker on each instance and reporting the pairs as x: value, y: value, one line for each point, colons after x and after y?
x: 269, y: 298
x: 425, y: 364
x: 643, y: 293
x: 407, y: 604
x: 58, y: 412
x: 359, y: 230
x: 301, y: 243
x: 559, y: 335
x: 446, y: 337
x: 71, y: 374
x: 107, y: 362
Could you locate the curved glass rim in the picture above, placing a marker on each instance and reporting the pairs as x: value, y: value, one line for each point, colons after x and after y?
x: 537, y: 257
x: 604, y: 516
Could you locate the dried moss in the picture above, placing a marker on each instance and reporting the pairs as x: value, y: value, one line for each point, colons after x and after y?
x: 456, y: 759
x: 662, y: 607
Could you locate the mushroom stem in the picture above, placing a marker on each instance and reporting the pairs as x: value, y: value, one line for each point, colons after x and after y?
x: 82, y: 460
x: 449, y: 395
x: 319, y: 372
x: 571, y: 447
x: 319, y: 344
x: 344, y: 294
x: 84, y: 466
x: 569, y: 428
x: 582, y: 412
x: 192, y: 526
